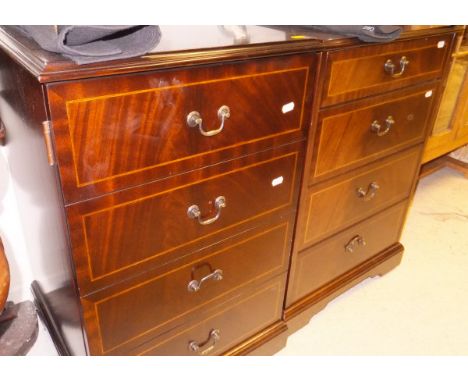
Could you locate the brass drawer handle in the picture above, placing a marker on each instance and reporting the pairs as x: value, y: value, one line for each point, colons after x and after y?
x: 194, y: 119
x: 390, y: 67
x: 193, y: 211
x: 206, y: 346
x: 369, y: 193
x: 376, y: 127
x: 195, y: 285
x: 355, y: 241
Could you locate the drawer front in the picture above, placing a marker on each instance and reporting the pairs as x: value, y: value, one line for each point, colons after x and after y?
x: 120, y: 235
x: 343, y: 202
x: 360, y: 72
x: 237, y: 321
x: 117, y: 132
x: 333, y: 257
x: 161, y: 303
x: 358, y: 133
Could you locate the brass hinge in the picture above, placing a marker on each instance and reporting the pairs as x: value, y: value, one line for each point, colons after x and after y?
x: 47, y: 129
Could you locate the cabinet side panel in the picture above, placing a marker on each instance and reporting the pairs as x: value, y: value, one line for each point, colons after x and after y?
x: 40, y: 201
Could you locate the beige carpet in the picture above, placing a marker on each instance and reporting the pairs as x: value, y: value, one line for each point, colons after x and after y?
x: 421, y: 307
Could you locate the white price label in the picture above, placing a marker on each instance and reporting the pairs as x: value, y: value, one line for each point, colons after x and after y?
x: 287, y: 107
x: 277, y: 181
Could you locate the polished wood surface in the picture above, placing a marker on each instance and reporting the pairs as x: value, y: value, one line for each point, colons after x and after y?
x: 185, y: 46
x: 357, y: 73
x: 299, y: 314
x: 329, y: 259
x: 265, y: 343
x: 245, y: 317
x: 335, y: 204
x: 125, y: 168
x: 4, y: 278
x: 338, y: 154
x: 258, y: 255
x: 133, y: 130
x: 109, y: 240
x: 345, y: 138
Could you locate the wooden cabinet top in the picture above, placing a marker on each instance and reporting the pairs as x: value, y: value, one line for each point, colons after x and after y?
x: 188, y: 45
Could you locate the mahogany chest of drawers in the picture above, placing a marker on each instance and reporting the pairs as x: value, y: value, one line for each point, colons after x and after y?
x: 211, y: 201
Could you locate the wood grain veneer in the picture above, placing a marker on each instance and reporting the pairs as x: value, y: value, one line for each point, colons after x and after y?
x: 357, y: 73
x: 256, y: 255
x: 345, y: 139
x: 111, y: 208
x: 329, y: 259
x: 301, y: 311
x: 213, y: 47
x: 335, y: 204
x: 353, y: 85
x: 109, y: 240
x: 115, y: 133
x: 245, y: 317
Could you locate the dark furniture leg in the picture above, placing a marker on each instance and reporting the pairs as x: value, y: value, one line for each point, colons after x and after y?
x: 45, y: 313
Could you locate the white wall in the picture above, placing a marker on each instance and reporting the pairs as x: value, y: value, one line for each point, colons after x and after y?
x: 12, y: 234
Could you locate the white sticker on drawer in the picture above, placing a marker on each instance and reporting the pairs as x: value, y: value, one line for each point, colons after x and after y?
x: 277, y: 181
x: 441, y: 44
x: 428, y: 94
x: 287, y: 107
